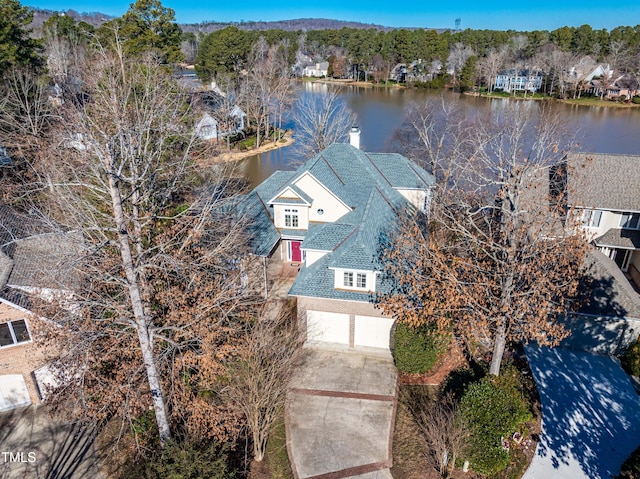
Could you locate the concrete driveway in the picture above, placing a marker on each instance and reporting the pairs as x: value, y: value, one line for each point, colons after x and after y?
x: 340, y: 415
x: 590, y: 415
x: 34, y: 446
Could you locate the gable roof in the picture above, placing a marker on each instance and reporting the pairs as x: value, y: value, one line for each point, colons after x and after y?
x: 603, y: 181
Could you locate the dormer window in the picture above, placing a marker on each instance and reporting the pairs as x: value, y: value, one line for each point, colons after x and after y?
x: 291, y: 218
x: 360, y: 280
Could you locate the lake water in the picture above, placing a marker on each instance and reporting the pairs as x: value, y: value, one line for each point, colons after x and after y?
x: 381, y: 110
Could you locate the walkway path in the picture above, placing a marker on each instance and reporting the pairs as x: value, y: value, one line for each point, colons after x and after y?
x: 590, y: 419
x: 340, y: 416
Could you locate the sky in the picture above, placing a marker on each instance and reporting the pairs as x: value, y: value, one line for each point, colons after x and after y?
x: 521, y: 16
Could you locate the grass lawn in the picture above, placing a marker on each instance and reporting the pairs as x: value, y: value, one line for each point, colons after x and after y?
x: 594, y: 101
x: 276, y: 461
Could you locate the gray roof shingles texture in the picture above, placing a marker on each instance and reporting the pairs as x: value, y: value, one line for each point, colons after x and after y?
x: 368, y: 184
x: 611, y: 294
x: 619, y: 238
x: 603, y: 181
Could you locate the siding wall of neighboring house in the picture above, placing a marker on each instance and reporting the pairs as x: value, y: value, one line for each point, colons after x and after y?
x: 25, y: 357
x: 634, y: 267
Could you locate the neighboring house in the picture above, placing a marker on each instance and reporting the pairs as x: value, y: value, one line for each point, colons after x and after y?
x: 221, y: 117
x: 604, y: 191
x: 34, y: 263
x: 615, y: 85
x: 399, y: 73
x: 20, y: 356
x: 518, y: 80
x: 317, y: 70
x: 332, y: 217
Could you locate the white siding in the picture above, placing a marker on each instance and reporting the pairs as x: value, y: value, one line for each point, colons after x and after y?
x: 333, y: 209
x: 328, y: 327
x: 373, y: 332
x: 311, y: 256
x: 416, y: 197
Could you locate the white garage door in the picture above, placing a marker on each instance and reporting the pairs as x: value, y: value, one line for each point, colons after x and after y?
x: 373, y: 332
x: 328, y: 327
x: 13, y: 392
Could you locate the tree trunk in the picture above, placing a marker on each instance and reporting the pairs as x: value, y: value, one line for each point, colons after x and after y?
x: 498, y: 349
x: 141, y: 320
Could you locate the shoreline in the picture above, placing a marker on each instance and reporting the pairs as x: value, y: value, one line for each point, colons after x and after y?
x: 241, y: 155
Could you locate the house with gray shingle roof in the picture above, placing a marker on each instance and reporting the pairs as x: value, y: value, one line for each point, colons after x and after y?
x: 332, y: 217
x: 604, y: 190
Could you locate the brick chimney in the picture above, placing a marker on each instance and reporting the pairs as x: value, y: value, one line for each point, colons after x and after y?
x: 354, y: 137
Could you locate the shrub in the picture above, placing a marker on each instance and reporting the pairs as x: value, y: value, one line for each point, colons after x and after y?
x: 417, y: 350
x: 636, y: 100
x: 631, y: 359
x: 185, y: 460
x: 494, y: 408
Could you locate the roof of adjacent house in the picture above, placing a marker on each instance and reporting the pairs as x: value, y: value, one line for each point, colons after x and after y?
x: 619, y: 238
x: 368, y: 184
x: 34, y: 253
x: 603, y: 181
x: 611, y: 294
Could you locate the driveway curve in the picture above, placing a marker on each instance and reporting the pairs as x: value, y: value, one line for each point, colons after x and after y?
x: 590, y: 419
x: 340, y: 415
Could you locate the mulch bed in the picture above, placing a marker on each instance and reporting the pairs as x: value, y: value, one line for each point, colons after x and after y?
x: 451, y: 361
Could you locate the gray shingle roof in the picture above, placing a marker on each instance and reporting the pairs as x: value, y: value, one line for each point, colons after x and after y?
x: 602, y: 181
x: 367, y: 183
x: 328, y: 237
x: 262, y: 235
x: 611, y: 294
x: 619, y: 238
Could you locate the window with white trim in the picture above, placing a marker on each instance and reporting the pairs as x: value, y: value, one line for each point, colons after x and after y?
x: 630, y: 221
x: 14, y: 332
x: 291, y: 218
x: 348, y: 280
x: 591, y: 218
x: 361, y: 280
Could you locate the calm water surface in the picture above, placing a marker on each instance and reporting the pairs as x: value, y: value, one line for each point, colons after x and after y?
x: 381, y: 110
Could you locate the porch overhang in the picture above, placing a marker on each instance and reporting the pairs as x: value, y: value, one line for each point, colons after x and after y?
x: 619, y: 238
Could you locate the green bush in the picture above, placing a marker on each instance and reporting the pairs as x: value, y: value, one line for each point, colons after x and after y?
x: 631, y: 359
x: 494, y: 408
x: 185, y: 460
x: 636, y: 100
x: 417, y: 350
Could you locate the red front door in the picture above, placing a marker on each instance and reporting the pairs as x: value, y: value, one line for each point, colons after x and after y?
x: 296, y: 254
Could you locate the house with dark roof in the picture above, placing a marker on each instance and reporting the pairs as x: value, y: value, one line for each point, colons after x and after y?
x: 332, y: 217
x: 604, y: 191
x: 35, y: 261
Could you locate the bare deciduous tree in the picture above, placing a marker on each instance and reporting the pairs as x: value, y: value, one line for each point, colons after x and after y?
x: 259, y: 375
x: 444, y: 430
x: 322, y: 119
x: 495, y: 265
x: 157, y: 290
